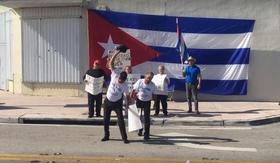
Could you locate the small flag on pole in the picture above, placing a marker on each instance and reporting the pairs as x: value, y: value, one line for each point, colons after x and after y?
x: 181, y: 46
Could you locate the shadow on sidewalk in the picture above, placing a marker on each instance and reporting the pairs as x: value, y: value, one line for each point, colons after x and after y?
x: 75, y: 105
x: 213, y: 113
x: 171, y: 140
x: 12, y: 107
x: 253, y: 111
x: 185, y: 114
x: 174, y: 110
x: 37, y: 106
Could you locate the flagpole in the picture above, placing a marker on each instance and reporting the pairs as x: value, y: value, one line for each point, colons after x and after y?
x: 178, y: 33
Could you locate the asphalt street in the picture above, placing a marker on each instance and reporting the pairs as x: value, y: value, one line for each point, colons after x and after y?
x: 260, y: 143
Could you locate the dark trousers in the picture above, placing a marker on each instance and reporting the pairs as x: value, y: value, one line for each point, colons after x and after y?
x: 146, y: 106
x: 92, y: 99
x: 192, y: 93
x: 117, y: 107
x: 163, y: 100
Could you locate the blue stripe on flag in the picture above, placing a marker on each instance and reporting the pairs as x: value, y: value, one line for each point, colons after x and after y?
x: 205, y: 56
x: 187, y: 24
x: 218, y: 87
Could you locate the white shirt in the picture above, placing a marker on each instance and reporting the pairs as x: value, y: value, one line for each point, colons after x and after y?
x: 144, y: 91
x: 161, y: 84
x: 116, y: 90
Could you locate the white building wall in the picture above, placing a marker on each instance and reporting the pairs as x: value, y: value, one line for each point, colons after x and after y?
x: 73, y: 67
x: 264, y: 74
x: 5, y: 49
x: 51, y: 44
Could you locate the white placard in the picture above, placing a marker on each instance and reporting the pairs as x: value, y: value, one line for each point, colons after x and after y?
x: 159, y: 81
x: 134, y: 121
x: 123, y: 59
x: 94, y: 85
x: 131, y: 80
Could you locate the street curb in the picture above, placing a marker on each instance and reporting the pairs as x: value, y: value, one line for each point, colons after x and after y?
x: 9, y: 120
x: 112, y: 159
x: 251, y: 122
x: 154, y: 121
x: 65, y: 121
x: 172, y: 122
x: 256, y: 122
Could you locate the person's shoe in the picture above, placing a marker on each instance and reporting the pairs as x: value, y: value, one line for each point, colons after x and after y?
x: 165, y: 115
x: 90, y: 116
x: 98, y: 115
x: 197, y: 112
x: 190, y: 111
x: 105, y: 139
x: 125, y: 141
x: 156, y: 115
x: 140, y: 134
x: 146, y: 138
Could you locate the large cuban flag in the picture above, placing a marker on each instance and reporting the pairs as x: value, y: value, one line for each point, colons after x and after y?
x: 221, y: 46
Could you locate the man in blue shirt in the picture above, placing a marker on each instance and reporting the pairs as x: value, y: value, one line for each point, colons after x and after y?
x: 193, y: 83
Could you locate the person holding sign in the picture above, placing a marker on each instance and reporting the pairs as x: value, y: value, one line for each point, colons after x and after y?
x: 193, y: 83
x: 94, y: 77
x: 161, y: 81
x: 144, y: 89
x: 114, y: 97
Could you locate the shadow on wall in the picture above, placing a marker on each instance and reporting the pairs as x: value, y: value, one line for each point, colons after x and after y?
x: 263, y: 80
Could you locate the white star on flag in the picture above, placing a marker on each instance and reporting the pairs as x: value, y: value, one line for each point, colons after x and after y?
x: 109, y: 46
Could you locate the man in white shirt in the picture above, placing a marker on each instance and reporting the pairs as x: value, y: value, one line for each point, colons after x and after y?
x: 162, y: 81
x: 114, y: 99
x: 144, y: 89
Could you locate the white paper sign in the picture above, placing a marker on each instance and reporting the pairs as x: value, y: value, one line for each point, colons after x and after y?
x: 123, y: 59
x: 131, y: 80
x: 134, y: 121
x: 94, y: 85
x: 159, y: 81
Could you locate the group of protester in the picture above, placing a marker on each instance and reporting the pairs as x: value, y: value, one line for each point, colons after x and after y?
x: 142, y: 92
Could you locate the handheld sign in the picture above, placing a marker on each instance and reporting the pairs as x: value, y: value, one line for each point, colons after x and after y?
x: 131, y: 80
x: 94, y: 85
x: 134, y: 121
x: 159, y: 81
x: 123, y: 59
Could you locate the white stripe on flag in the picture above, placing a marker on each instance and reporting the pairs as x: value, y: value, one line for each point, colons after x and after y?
x: 209, y: 72
x: 192, y: 40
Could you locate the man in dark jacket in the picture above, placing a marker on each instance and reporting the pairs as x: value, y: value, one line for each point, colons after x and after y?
x: 95, y: 72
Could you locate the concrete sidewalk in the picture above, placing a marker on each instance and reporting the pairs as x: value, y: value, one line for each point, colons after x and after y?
x: 73, y: 110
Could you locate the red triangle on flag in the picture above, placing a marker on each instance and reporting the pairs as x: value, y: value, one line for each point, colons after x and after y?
x: 101, y: 32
